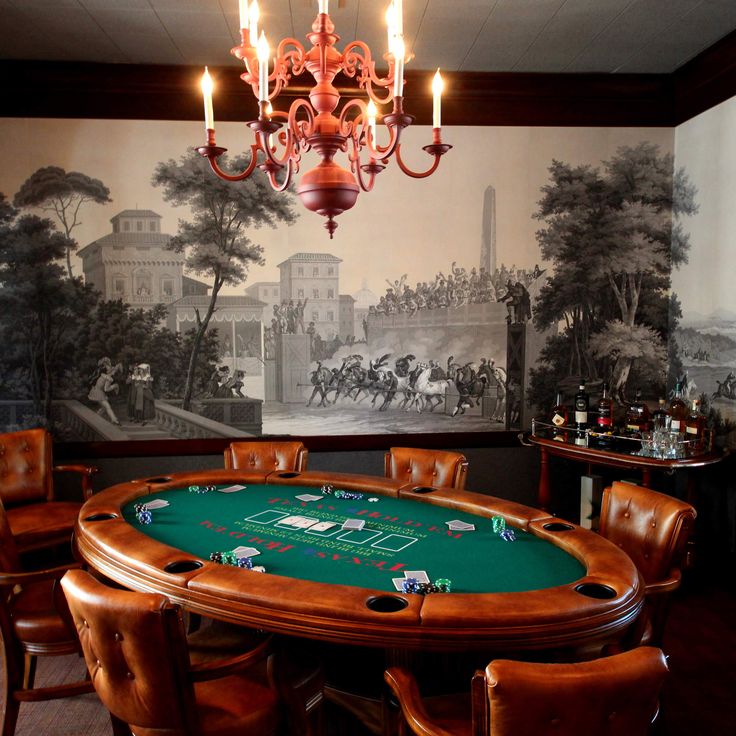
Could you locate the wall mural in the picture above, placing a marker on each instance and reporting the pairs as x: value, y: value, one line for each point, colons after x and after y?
x: 144, y: 298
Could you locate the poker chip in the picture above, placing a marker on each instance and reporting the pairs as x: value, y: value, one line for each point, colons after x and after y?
x: 230, y: 558
x: 412, y: 585
x: 199, y: 489
x: 498, y: 523
x: 144, y: 517
x: 327, y: 489
x: 373, y: 499
x: 508, y: 535
x: 258, y: 568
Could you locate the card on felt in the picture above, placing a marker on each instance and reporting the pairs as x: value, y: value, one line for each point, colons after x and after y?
x: 356, y: 524
x: 289, y: 521
x: 309, y: 497
x: 460, y: 526
x: 246, y: 551
x: 399, y: 584
x: 323, y: 526
x: 419, y: 575
x: 305, y: 522
x: 232, y: 489
x: 157, y: 503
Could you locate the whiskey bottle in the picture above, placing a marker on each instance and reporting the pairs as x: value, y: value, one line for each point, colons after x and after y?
x: 678, y: 410
x: 695, y: 429
x: 582, y: 404
x: 637, y: 416
x: 604, y: 420
x: 660, y: 416
x: 559, y: 419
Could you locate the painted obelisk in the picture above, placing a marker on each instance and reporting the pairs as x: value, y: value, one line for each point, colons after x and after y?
x: 488, y: 233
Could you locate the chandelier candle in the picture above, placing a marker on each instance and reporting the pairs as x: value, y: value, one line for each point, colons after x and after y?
x: 314, y: 124
x: 209, y: 115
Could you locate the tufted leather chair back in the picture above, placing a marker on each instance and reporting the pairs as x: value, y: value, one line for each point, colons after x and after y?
x: 9, y: 558
x: 616, y: 696
x: 650, y: 527
x: 438, y: 468
x: 25, y: 467
x: 135, y: 648
x: 289, y: 456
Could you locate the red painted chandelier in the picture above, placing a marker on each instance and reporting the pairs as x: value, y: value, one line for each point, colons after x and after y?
x: 281, y: 137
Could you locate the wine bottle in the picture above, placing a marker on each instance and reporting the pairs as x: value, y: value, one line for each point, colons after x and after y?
x: 695, y: 429
x: 559, y: 419
x: 604, y: 420
x: 678, y: 410
x: 582, y: 404
x: 637, y: 416
x: 660, y: 416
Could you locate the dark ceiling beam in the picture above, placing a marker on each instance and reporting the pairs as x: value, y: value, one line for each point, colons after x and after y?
x: 707, y: 80
x: 120, y: 91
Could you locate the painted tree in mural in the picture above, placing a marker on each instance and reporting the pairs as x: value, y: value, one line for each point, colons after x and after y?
x: 613, y: 237
x: 216, y: 238
x: 40, y: 308
x: 132, y: 336
x: 63, y: 194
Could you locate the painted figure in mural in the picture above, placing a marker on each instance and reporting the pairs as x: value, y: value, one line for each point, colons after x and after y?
x: 269, y: 344
x: 311, y: 331
x: 144, y: 405
x: 217, y: 379
x: 234, y: 386
x: 133, y: 376
x: 103, y: 385
x: 513, y: 396
x: 727, y: 388
x: 299, y: 311
x: 519, y: 302
x: 320, y: 378
x: 403, y: 365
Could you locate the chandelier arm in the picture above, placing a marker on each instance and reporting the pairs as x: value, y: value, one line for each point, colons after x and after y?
x: 287, y: 178
x: 296, y: 56
x: 235, y: 177
x: 301, y: 129
x: 347, y: 127
x: 351, y: 59
x: 423, y: 174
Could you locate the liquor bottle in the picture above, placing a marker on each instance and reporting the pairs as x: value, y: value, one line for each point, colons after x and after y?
x: 660, y: 415
x: 604, y: 420
x: 678, y: 410
x: 695, y: 429
x: 637, y: 416
x: 559, y: 419
x: 582, y: 404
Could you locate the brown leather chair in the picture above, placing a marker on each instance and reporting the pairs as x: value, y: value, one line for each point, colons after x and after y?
x: 437, y: 468
x: 135, y: 648
x: 652, y: 529
x: 287, y: 456
x: 36, y: 519
x: 31, y: 626
x: 615, y: 695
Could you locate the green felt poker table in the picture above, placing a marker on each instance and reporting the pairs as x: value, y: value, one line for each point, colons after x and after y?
x: 555, y: 585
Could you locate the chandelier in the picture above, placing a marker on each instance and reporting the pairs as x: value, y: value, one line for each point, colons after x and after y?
x: 281, y: 137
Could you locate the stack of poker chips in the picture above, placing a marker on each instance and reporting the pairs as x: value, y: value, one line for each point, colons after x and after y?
x: 201, y: 489
x: 328, y: 490
x: 142, y: 514
x: 230, y: 558
x: 441, y: 585
x: 500, y: 528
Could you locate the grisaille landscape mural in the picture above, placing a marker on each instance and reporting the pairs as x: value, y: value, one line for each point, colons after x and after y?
x: 144, y: 298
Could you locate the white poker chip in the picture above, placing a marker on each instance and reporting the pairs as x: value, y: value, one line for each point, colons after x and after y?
x: 373, y: 499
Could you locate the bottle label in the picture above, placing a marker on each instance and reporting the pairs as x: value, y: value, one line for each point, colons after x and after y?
x: 633, y: 427
x: 675, y: 425
x: 691, y: 430
x: 581, y: 417
x: 558, y: 420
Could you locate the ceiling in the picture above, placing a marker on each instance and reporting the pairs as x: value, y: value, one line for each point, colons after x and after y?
x: 610, y: 36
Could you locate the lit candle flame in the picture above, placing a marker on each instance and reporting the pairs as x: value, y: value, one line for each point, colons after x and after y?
x: 437, y: 86
x: 262, y: 51
x: 207, y: 86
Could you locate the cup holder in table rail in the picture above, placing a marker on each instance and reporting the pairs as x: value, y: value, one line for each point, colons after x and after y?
x: 423, y: 489
x: 557, y: 526
x: 387, y: 603
x: 596, y: 590
x: 159, y: 479
x: 289, y: 475
x: 180, y: 566
x: 101, y: 517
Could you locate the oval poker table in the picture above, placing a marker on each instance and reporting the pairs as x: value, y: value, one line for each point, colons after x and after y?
x: 556, y: 585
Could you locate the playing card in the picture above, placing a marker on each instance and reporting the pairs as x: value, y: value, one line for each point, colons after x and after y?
x: 305, y: 522
x: 458, y: 526
x: 399, y: 584
x: 157, y: 503
x: 419, y: 575
x: 354, y: 524
x: 289, y: 521
x: 323, y: 526
x: 306, y: 497
x: 231, y: 489
x: 246, y: 551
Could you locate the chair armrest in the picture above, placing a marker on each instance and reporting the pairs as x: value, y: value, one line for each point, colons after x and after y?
x: 223, y: 667
x: 664, y: 587
x: 26, y: 578
x: 85, y: 471
x: 405, y: 688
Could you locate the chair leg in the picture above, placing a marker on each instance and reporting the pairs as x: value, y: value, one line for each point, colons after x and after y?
x: 10, y: 714
x: 29, y: 671
x: 119, y: 728
x: 11, y: 661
